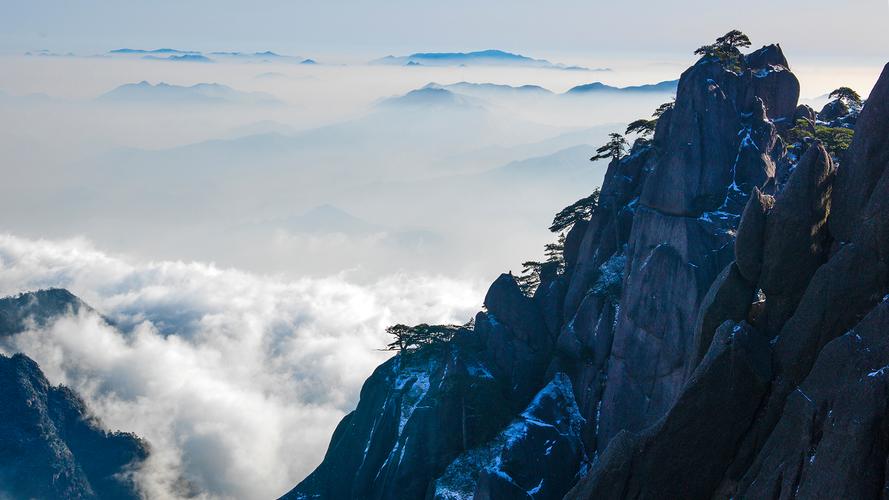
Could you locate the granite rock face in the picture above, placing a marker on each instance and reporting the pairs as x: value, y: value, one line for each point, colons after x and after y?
x: 720, y: 321
x: 685, y: 454
x: 866, y: 159
x: 535, y: 456
x: 50, y: 445
x: 818, y: 424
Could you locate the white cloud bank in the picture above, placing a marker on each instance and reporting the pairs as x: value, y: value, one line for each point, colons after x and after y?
x: 236, y: 380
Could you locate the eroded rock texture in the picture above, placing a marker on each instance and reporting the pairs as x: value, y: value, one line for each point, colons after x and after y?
x: 720, y: 321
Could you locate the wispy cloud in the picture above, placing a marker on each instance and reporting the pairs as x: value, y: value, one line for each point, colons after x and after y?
x: 237, y: 380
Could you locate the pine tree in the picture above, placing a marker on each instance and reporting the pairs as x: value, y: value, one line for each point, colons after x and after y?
x: 726, y: 49
x: 642, y: 127
x: 530, y: 277
x: 733, y: 38
x: 663, y: 108
x: 581, y: 209
x: 408, y: 339
x: 614, y: 149
x: 847, y: 95
x: 554, y: 252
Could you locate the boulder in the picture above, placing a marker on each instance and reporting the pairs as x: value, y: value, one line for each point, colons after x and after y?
x: 506, y: 302
x: 804, y: 112
x: 729, y: 298
x: 833, y: 110
x: 796, y: 236
x: 750, y: 238
x: 773, y: 82
x: 767, y: 56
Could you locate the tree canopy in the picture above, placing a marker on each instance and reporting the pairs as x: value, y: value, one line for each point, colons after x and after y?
x: 530, y: 277
x: 614, y: 149
x: 581, y: 209
x: 726, y: 49
x: 663, y: 108
x: 847, y: 95
x: 734, y: 38
x: 835, y: 139
x: 644, y: 128
x: 410, y: 338
x: 555, y: 252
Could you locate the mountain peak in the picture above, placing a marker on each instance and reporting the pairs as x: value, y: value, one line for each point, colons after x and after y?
x: 54, y: 448
x: 36, y: 309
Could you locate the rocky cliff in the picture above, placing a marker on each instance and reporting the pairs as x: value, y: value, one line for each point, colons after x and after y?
x: 718, y: 329
x: 52, y: 447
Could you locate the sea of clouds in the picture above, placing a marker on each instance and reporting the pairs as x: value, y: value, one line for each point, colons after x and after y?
x: 236, y: 380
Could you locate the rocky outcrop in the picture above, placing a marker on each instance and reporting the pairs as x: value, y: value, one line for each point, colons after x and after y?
x: 750, y: 238
x: 866, y: 160
x: 421, y: 411
x: 718, y: 321
x: 833, y: 110
x: 729, y: 299
x: 796, y: 240
x: 805, y: 112
x: 52, y: 447
x: 535, y: 456
x: 415, y: 416
x: 721, y: 143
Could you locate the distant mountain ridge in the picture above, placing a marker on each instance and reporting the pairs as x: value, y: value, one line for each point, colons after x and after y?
x: 327, y: 219
x: 432, y: 96
x: 200, y: 93
x: 152, y: 51
x: 494, y: 90
x: 168, y: 54
x: 181, y: 58
x: 490, y: 57
x: 668, y: 86
x: 471, y: 88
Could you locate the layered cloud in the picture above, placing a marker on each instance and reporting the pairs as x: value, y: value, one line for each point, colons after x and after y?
x: 235, y: 379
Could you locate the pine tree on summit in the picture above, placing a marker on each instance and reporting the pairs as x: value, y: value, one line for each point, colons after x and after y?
x: 614, y: 149
x: 847, y: 96
x: 726, y: 49
x: 734, y: 38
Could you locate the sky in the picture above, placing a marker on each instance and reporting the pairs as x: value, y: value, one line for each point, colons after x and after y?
x: 807, y: 27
